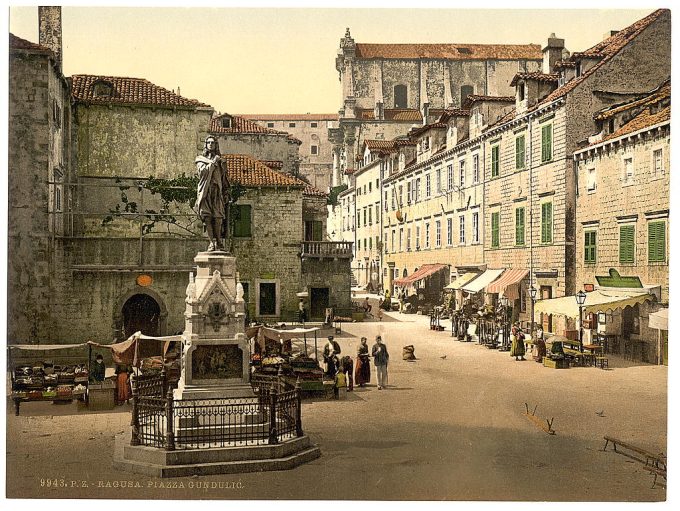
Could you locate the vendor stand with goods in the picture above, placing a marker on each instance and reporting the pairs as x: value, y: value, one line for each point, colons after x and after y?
x: 279, y: 351
x: 36, y: 377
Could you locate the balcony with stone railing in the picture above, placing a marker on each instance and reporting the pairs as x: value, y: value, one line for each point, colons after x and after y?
x: 327, y: 249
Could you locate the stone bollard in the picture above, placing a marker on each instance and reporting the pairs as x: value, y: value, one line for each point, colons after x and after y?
x: 170, y: 424
x: 298, y: 405
x: 273, y: 435
x: 134, y: 421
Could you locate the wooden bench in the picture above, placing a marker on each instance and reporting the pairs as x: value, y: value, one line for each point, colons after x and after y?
x: 602, y: 362
x: 657, y: 461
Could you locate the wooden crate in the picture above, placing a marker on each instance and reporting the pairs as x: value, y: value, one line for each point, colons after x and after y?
x: 101, y: 397
x: 555, y: 364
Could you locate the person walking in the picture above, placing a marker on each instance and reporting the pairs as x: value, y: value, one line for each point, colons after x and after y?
x: 380, y: 359
x: 517, y: 348
x: 363, y: 367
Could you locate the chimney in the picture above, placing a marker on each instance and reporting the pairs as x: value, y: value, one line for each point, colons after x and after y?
x: 609, y: 33
x: 49, y: 22
x: 552, y: 53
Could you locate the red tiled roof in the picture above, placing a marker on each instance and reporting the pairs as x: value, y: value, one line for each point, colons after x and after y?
x: 294, y: 140
x: 290, y: 117
x: 253, y: 173
x: 273, y: 164
x: 537, y: 76
x: 136, y: 91
x: 240, y: 125
x: 450, y: 51
x: 608, y: 48
x: 349, y: 172
x: 17, y: 43
x: 427, y: 127
x: 644, y: 119
x: 386, y: 146
x: 661, y: 93
x: 311, y: 191
x: 564, y: 63
x: 392, y: 114
x: 473, y: 98
x: 453, y: 112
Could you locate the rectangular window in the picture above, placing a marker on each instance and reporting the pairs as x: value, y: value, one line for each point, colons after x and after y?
x: 315, y: 149
x: 656, y: 242
x: 399, y: 196
x: 401, y: 239
x: 628, y: 170
x: 495, y: 163
x: 394, y: 236
x: 495, y: 229
x: 449, y: 170
x: 291, y: 124
x: 370, y: 216
x: 519, y: 152
x: 408, y: 192
x: 417, y: 189
x: 313, y: 125
x: 658, y: 161
x: 270, y: 125
x: 370, y: 243
x: 592, y: 180
x: 546, y: 143
x: 461, y: 173
x: 408, y: 239
x: 627, y: 244
x: 365, y: 217
x: 475, y: 168
x: 243, y: 221
x: 461, y: 229
x: 475, y: 227
x: 427, y: 235
x: 546, y: 222
x: 393, y: 201
x: 313, y: 230
x: 377, y: 212
x: 267, y: 302
x: 438, y: 233
x: 358, y: 243
x: 428, y: 189
x: 590, y: 247
x: 519, y: 226
x: 370, y: 186
x: 417, y: 237
x: 449, y: 231
x: 439, y: 181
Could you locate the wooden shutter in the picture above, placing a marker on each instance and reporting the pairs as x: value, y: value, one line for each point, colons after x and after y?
x: 627, y: 244
x: 495, y: 150
x: 590, y: 247
x: 495, y: 231
x: 546, y: 222
x: 519, y: 152
x: 657, y: 241
x: 546, y: 143
x: 519, y: 226
x: 242, y: 225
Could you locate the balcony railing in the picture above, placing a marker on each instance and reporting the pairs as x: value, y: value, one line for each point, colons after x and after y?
x: 323, y: 249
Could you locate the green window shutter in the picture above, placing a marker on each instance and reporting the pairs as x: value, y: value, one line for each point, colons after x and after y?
x: 495, y: 151
x: 590, y: 247
x: 519, y: 226
x: 546, y: 222
x: 627, y: 244
x: 519, y: 152
x: 495, y: 230
x: 546, y: 143
x: 657, y: 242
x: 242, y: 222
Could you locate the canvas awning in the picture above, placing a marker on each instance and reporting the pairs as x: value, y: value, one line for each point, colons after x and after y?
x: 424, y: 271
x: 659, y: 319
x: 45, y: 347
x: 596, y: 301
x: 482, y: 281
x: 462, y: 280
x: 511, y: 277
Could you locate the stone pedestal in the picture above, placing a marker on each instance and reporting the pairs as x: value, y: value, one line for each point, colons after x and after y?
x: 216, y: 358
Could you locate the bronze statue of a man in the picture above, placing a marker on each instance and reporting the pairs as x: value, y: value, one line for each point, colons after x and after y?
x: 213, y: 194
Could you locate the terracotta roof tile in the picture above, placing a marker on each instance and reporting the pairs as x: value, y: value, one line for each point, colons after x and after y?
x: 564, y: 63
x: 17, y: 43
x: 273, y: 164
x: 537, y: 76
x: 661, y: 93
x: 644, y: 119
x: 137, y: 91
x: 609, y: 48
x: 253, y: 173
x: 450, y: 51
x: 294, y: 139
x: 240, y: 125
x: 473, y: 98
x: 311, y: 191
x: 385, y: 146
x: 392, y: 114
x: 290, y: 117
x: 453, y: 112
x: 427, y: 127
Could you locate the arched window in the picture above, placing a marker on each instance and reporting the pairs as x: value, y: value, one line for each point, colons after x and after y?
x: 400, y: 96
x: 405, y: 273
x: 465, y: 91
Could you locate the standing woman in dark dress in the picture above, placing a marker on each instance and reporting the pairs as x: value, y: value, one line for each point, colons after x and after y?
x: 362, y: 375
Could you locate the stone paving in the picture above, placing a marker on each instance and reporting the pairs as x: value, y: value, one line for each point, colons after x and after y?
x: 450, y: 426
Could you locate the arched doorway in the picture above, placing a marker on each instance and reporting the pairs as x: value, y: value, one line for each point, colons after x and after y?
x: 141, y: 313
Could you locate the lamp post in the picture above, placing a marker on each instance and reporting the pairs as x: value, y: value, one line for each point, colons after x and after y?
x: 532, y: 294
x: 506, y: 330
x: 580, y: 300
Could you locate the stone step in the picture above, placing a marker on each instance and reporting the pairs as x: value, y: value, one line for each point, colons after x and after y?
x: 222, y: 467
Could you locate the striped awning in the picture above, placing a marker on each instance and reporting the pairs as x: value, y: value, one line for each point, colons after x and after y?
x: 424, y: 271
x: 462, y: 280
x: 596, y: 301
x: 482, y: 281
x: 510, y: 277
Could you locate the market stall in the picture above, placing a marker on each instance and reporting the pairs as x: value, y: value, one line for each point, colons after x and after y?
x: 423, y: 288
x: 36, y: 375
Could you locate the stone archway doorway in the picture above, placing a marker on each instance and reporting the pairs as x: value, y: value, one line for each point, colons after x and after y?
x: 141, y: 313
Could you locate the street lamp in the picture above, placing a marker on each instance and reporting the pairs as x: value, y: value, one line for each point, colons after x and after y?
x: 580, y: 300
x: 506, y: 328
x: 532, y: 294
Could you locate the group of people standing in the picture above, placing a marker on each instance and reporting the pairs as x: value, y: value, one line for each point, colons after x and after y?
x: 343, y: 370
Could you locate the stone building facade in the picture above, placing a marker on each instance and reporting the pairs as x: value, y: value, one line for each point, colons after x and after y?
x: 315, y: 156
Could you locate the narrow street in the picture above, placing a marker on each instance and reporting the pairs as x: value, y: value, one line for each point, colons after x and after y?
x: 450, y: 426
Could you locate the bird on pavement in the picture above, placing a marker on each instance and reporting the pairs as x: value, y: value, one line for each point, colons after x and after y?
x: 600, y: 413
x: 443, y: 357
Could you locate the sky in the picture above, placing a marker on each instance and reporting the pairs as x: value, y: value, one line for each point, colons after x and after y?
x: 244, y: 60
